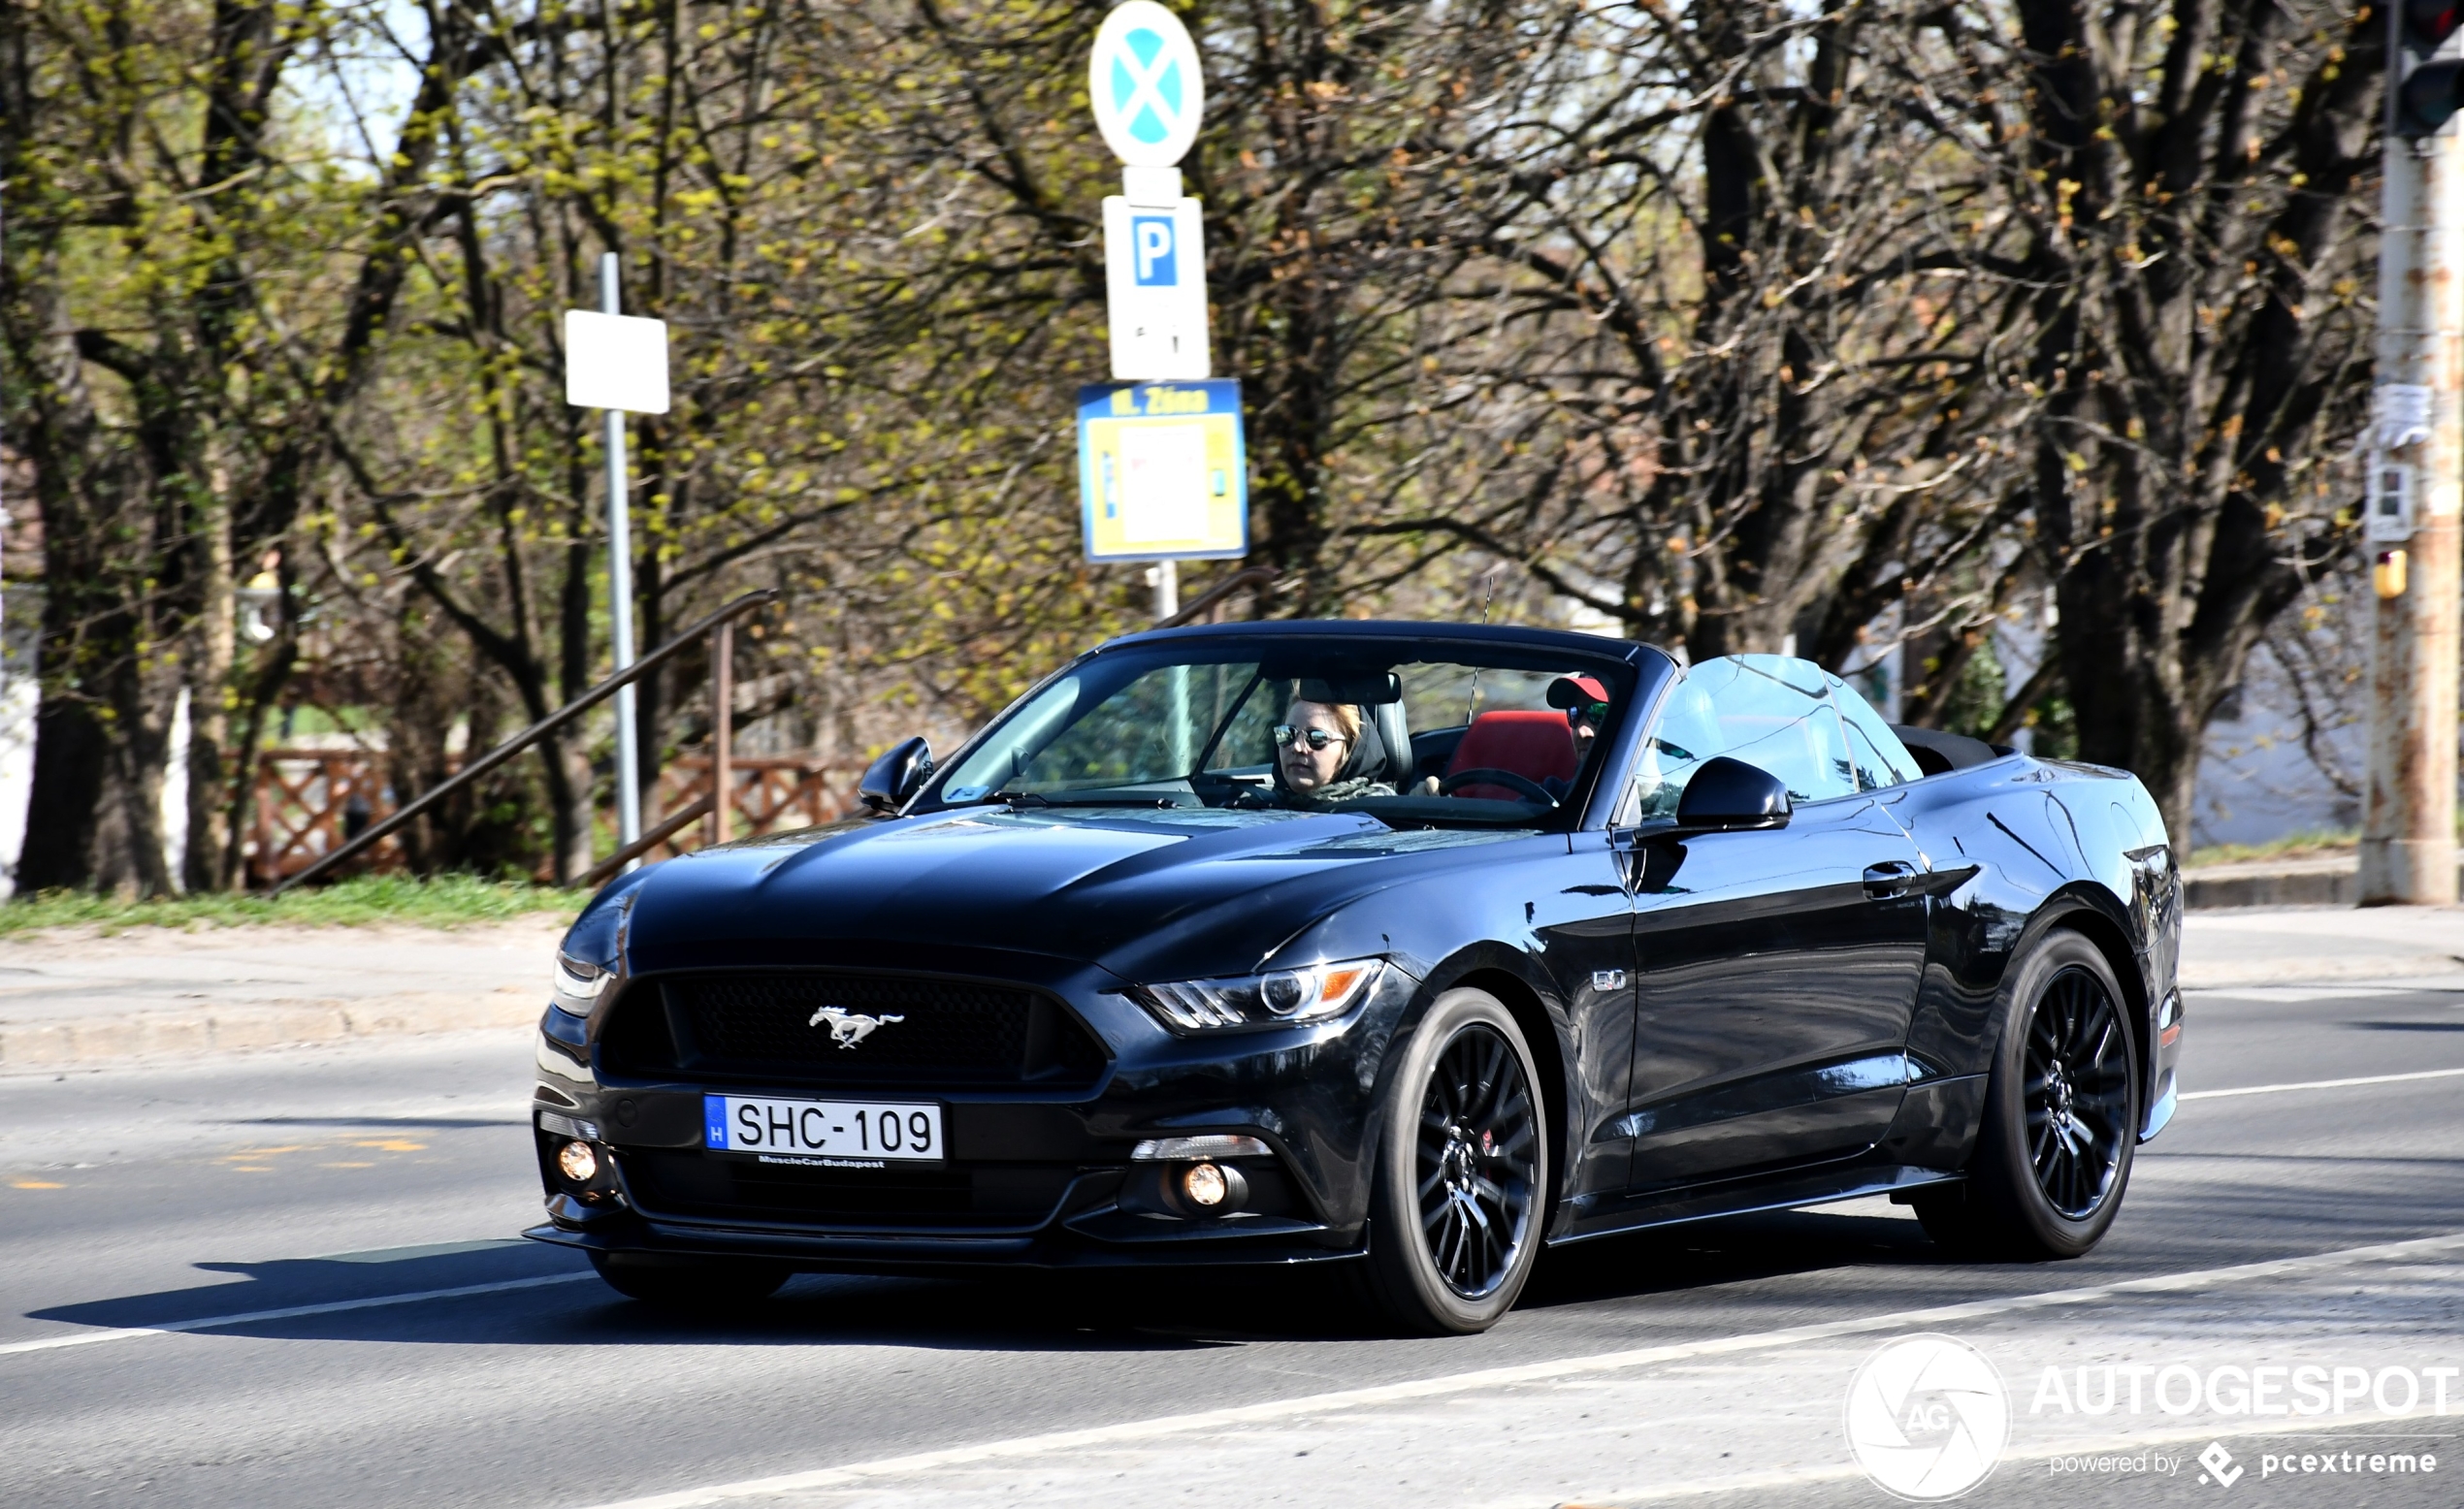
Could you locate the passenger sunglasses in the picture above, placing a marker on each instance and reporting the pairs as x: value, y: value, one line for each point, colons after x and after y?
x: 1589, y: 713
x: 1315, y: 738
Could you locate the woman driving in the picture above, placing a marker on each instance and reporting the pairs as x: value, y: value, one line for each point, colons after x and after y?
x: 1319, y: 754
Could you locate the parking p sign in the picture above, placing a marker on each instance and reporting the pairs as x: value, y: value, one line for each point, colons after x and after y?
x: 1155, y: 274
x: 1150, y: 243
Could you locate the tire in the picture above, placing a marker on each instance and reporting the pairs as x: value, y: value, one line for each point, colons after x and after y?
x: 701, y: 1285
x: 1460, y: 1195
x: 2062, y: 1115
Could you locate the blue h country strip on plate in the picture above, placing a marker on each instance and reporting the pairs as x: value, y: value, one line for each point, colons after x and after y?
x: 714, y: 1121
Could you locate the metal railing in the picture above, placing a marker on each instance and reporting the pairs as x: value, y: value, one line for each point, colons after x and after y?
x: 722, y: 699
x: 722, y: 621
x: 1254, y: 576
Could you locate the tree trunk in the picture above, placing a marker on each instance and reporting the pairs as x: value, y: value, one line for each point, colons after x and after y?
x: 209, y: 695
x: 141, y: 703
x: 67, y: 795
x: 2131, y: 714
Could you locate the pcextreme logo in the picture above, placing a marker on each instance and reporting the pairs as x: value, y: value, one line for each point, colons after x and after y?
x: 2221, y: 1467
x: 1928, y: 1417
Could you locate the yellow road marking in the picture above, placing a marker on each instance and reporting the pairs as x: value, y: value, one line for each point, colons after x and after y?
x: 394, y: 1144
x: 346, y: 1165
x: 36, y: 1184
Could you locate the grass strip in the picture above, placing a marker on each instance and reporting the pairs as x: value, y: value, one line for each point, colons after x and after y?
x: 365, y: 900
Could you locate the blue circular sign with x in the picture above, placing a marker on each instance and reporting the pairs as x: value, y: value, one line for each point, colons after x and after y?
x: 1142, y: 80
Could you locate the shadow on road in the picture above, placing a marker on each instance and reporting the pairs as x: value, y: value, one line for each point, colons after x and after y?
x: 1063, y: 1312
x: 2237, y: 1207
x: 1066, y: 1312
x: 432, y: 1122
x: 1736, y: 1249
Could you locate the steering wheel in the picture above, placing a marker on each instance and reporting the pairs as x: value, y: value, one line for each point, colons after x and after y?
x: 1524, y: 785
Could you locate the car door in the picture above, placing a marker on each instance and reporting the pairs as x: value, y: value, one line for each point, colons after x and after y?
x: 1583, y: 921
x: 1776, y: 968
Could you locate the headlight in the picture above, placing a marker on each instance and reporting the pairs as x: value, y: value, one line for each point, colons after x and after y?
x: 1312, y: 993
x: 578, y: 985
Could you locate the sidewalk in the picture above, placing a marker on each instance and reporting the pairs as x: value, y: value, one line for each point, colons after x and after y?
x: 81, y: 1000
x: 2265, y: 947
x: 77, y: 998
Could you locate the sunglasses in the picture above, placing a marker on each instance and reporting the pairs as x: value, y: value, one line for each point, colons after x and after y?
x: 1589, y: 713
x: 1315, y: 738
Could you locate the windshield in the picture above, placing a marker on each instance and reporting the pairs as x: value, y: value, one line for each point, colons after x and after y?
x: 1417, y: 735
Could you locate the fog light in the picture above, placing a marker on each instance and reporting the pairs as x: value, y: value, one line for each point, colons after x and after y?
x: 581, y: 1165
x: 1205, y: 1186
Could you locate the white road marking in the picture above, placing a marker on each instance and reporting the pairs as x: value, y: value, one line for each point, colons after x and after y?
x: 2304, y: 995
x: 86, y: 1338
x: 1528, y: 1372
x: 2322, y: 1084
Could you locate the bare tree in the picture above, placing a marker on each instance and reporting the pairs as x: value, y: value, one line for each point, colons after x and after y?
x: 2192, y: 182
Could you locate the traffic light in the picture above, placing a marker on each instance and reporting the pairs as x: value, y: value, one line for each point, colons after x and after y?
x: 2422, y: 89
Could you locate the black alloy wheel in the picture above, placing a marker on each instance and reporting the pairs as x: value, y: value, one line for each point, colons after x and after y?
x: 2078, y: 1092
x: 2061, y: 1120
x: 1476, y: 1160
x: 1462, y: 1171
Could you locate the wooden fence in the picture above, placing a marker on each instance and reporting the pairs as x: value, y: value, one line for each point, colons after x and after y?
x: 770, y: 795
x: 310, y: 802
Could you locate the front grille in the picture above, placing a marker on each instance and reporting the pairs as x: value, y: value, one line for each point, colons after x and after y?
x: 694, y: 1185
x: 779, y: 1026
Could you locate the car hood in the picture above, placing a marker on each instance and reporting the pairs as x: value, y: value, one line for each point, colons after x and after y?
x: 1212, y: 889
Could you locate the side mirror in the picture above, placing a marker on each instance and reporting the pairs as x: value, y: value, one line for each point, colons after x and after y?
x: 892, y: 780
x: 1728, y: 796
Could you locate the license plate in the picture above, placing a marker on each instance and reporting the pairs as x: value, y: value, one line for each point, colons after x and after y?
x: 822, y: 1134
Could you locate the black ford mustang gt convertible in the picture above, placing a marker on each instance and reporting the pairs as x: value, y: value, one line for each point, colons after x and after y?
x: 1414, y: 948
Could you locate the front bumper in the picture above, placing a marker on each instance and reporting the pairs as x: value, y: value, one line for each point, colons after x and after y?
x: 1033, y: 1180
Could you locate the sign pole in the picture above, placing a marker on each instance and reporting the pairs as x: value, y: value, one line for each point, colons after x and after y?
x: 620, y: 592
x: 1162, y: 475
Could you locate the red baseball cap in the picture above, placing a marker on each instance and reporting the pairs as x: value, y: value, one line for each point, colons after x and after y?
x: 1575, y: 692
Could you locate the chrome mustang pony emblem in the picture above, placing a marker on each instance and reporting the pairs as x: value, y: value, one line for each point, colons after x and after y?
x: 847, y: 1028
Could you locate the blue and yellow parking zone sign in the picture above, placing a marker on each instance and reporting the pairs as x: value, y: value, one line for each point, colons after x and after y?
x: 1163, y: 471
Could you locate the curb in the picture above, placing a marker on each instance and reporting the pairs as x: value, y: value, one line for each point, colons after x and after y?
x: 84, y: 1043
x: 2331, y: 882
x: 2271, y: 889
x: 2431, y: 971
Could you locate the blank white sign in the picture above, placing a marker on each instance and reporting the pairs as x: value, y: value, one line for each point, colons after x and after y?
x: 1163, y: 499
x: 615, y: 361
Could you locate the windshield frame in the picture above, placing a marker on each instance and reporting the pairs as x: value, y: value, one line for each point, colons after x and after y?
x: 1641, y: 669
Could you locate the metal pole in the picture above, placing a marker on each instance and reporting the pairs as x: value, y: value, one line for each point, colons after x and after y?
x: 1167, y: 577
x: 721, y: 732
x: 2407, y: 832
x: 620, y: 591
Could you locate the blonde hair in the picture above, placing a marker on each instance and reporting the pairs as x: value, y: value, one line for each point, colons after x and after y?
x: 1347, y: 719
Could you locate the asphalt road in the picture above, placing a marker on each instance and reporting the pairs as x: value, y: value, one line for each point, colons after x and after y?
x: 134, y: 1199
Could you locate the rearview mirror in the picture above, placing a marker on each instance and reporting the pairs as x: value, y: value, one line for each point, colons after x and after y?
x: 1728, y: 796
x: 890, y: 781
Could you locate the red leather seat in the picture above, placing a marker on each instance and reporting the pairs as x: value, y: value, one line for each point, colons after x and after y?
x: 1537, y: 746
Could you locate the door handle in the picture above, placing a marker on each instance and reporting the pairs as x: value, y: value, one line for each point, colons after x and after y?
x: 1889, y: 878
